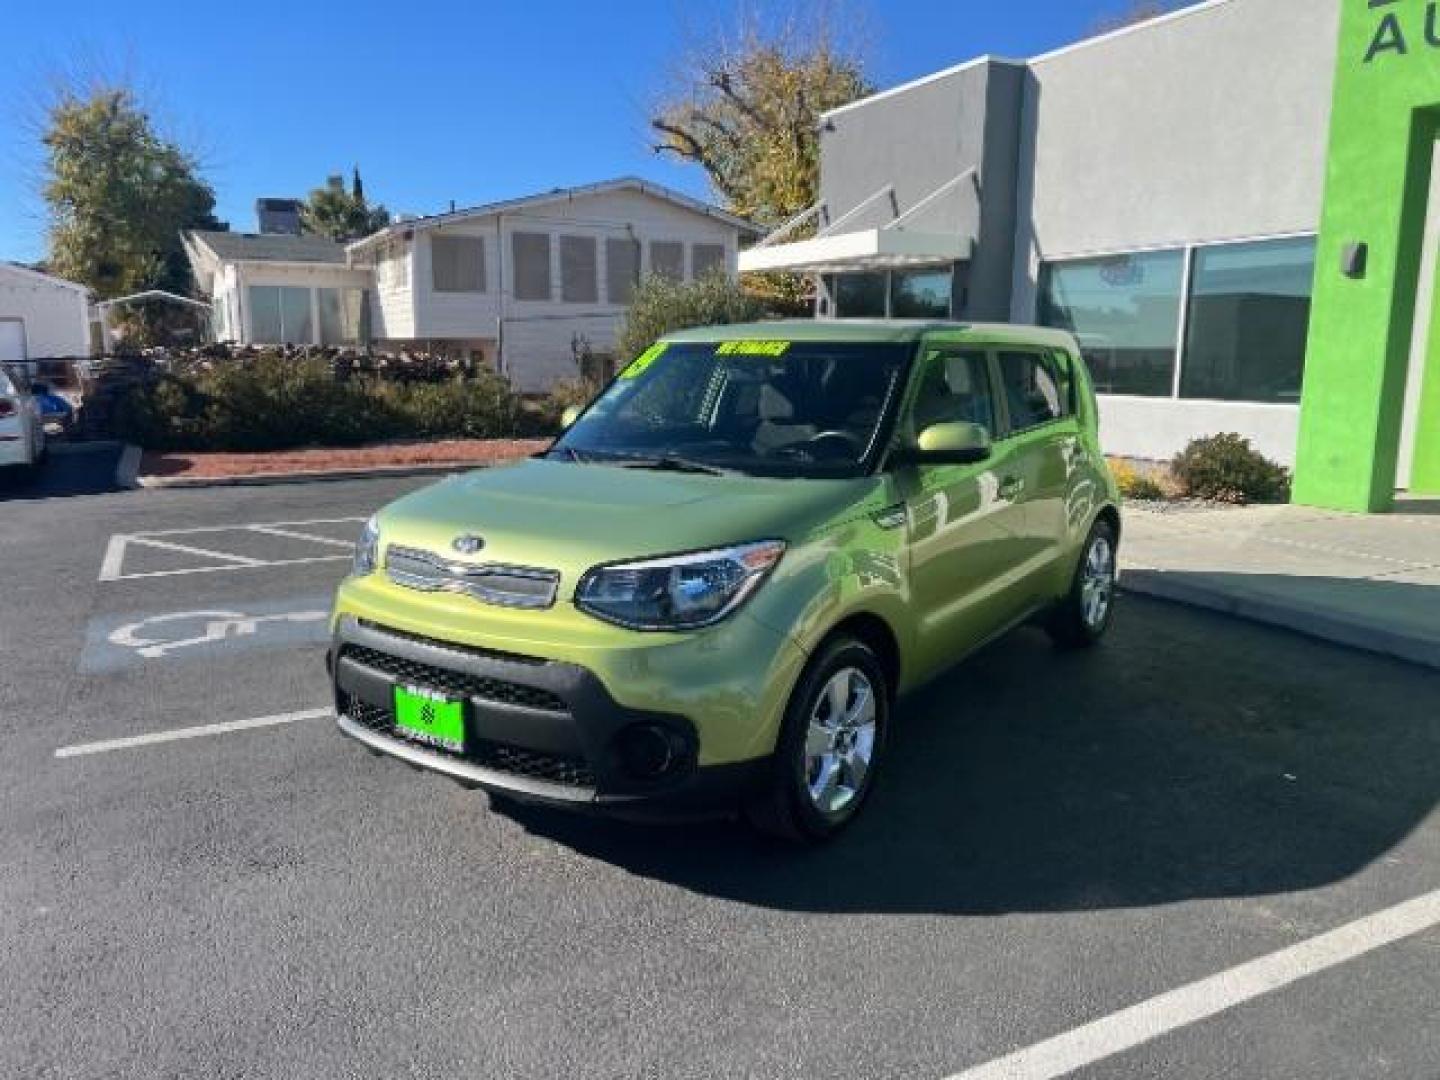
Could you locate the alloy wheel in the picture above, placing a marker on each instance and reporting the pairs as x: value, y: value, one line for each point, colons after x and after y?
x: 840, y: 740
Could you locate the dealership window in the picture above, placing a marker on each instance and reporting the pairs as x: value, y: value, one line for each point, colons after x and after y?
x: 1247, y: 321
x: 340, y: 315
x: 531, y: 253
x: 667, y: 258
x: 280, y: 315
x: 622, y: 269
x: 457, y: 264
x: 1125, y: 311
x: 921, y: 294
x: 578, y: 270
x: 859, y: 296
x: 707, y: 259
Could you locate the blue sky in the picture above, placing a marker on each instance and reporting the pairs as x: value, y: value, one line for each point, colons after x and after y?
x: 471, y: 100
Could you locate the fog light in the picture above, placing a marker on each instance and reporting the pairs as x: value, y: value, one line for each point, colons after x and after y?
x: 648, y: 751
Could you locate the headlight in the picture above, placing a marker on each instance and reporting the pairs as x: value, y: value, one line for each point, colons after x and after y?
x: 682, y: 592
x: 367, y: 549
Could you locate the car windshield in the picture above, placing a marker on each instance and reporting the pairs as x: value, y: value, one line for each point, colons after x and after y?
x: 777, y: 408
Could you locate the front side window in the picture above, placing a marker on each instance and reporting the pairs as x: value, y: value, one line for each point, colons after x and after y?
x: 1125, y: 311
x: 1248, y: 321
x: 1034, y: 387
x: 954, y: 386
x: 775, y: 408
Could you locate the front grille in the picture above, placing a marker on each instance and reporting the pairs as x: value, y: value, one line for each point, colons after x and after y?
x: 459, y: 683
x: 507, y: 586
x: 532, y: 764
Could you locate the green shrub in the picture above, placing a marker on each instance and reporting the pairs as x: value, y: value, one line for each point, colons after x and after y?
x: 1227, y: 469
x: 661, y: 306
x: 1135, y: 484
x: 277, y: 402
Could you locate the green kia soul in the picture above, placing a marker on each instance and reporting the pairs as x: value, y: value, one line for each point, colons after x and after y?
x: 708, y: 594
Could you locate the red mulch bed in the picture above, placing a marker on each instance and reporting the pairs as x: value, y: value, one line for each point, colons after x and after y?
x: 359, y: 458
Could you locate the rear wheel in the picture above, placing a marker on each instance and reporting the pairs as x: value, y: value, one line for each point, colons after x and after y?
x: 1084, y: 615
x: 830, y: 745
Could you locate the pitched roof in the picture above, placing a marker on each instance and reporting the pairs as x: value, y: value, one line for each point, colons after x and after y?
x: 269, y: 247
x: 38, y: 277
x: 564, y: 194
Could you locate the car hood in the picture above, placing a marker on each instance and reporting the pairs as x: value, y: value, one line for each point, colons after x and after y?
x: 570, y: 517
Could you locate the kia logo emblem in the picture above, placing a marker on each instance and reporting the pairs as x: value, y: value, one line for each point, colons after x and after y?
x: 468, y: 544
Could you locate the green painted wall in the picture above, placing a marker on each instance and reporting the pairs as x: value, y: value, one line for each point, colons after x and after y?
x: 1386, y: 109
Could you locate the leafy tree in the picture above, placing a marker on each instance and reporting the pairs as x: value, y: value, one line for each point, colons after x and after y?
x: 339, y: 214
x: 748, y: 113
x: 661, y: 305
x: 119, y: 195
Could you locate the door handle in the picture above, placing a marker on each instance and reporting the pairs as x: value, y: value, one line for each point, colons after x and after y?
x: 1012, y: 487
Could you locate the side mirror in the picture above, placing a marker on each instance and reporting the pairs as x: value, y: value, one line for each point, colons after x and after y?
x: 569, y: 416
x: 956, y: 443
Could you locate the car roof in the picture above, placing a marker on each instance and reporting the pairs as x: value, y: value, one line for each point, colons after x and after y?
x: 871, y: 330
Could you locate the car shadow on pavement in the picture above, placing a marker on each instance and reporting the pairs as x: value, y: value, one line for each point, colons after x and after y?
x: 1190, y: 756
x: 78, y: 469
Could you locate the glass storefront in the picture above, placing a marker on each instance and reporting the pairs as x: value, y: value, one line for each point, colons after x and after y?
x: 897, y: 294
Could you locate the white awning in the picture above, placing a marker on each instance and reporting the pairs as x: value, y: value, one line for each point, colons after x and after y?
x: 867, y: 249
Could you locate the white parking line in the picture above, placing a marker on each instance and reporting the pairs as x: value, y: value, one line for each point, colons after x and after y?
x: 112, y: 566
x: 200, y: 732
x: 1189, y: 1004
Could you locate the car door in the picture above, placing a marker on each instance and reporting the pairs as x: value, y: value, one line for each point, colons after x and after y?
x: 1041, y: 435
x: 965, y: 528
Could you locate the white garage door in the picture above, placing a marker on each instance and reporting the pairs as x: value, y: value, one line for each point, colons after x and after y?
x: 12, y: 341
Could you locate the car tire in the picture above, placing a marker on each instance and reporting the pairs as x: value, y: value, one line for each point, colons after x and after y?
x: 827, y: 754
x: 1083, y: 617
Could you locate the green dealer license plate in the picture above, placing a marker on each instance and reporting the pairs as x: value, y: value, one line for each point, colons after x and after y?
x: 430, y: 717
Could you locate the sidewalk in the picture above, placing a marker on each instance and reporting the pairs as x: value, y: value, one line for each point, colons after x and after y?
x: 1370, y: 582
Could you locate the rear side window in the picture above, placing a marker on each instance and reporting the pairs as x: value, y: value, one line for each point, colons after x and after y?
x: 1036, y: 390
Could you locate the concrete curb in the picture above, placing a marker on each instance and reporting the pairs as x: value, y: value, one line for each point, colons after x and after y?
x: 1302, y: 619
x: 268, y: 479
x: 127, y: 469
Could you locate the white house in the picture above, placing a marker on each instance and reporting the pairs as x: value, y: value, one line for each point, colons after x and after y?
x: 515, y: 285
x: 41, y: 317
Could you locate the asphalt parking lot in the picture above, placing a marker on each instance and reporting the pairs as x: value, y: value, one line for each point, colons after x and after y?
x: 1127, y: 863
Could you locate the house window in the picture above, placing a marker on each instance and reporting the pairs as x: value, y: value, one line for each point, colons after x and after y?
x: 859, y: 296
x: 280, y: 315
x: 457, y: 264
x: 1125, y: 311
x: 531, y: 255
x: 667, y: 258
x: 622, y: 269
x: 1248, y: 318
x: 921, y: 294
x: 578, y: 270
x: 340, y: 315
x: 707, y: 259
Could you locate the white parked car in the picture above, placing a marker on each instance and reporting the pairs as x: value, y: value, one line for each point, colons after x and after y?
x: 22, y: 433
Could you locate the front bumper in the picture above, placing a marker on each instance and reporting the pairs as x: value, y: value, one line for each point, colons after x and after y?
x: 538, y: 729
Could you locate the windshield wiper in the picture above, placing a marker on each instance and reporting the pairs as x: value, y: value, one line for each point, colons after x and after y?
x: 672, y: 463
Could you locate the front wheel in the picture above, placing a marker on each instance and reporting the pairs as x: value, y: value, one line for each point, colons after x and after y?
x: 1084, y: 615
x: 830, y: 745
